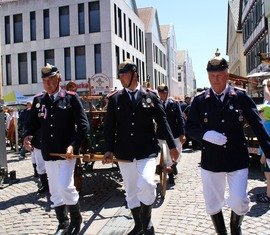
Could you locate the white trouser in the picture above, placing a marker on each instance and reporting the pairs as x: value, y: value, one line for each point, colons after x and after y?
x: 38, y: 160
x: 33, y: 160
x: 166, y: 150
x: 61, y: 182
x: 214, y: 184
x: 139, y: 183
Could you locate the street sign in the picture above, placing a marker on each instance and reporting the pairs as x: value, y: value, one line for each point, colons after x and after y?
x: 99, y: 84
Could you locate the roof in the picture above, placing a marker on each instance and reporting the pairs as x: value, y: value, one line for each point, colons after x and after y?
x: 149, y: 16
x: 165, y: 31
x: 146, y: 15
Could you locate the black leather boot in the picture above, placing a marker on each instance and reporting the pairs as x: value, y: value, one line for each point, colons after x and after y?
x: 44, y: 183
x: 174, y: 168
x: 137, y: 230
x: 35, y: 170
x: 61, y: 215
x: 236, y: 222
x: 145, y: 216
x: 75, y: 219
x: 171, y: 178
x: 219, y: 223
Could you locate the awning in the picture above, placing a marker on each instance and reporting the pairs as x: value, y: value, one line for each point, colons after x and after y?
x: 259, y: 74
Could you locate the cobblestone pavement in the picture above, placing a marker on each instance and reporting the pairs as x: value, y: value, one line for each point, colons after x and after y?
x: 23, y: 211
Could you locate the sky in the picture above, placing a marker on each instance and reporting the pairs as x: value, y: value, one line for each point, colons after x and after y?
x: 200, y: 27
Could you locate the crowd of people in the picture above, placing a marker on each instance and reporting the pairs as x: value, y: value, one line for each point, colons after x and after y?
x: 138, y: 125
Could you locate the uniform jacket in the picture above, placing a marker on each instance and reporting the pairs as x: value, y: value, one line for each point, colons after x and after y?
x: 129, y: 129
x: 174, y: 118
x: 227, y: 117
x: 63, y: 122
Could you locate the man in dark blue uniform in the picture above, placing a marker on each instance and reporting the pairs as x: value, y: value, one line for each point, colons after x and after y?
x: 64, y: 124
x: 176, y: 121
x: 130, y: 135
x: 216, y: 119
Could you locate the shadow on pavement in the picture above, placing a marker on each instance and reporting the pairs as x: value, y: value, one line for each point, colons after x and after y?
x: 31, y: 198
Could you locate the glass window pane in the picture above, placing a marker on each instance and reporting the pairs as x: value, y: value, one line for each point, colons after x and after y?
x: 94, y: 17
x: 81, y: 18
x: 64, y: 21
x: 22, y: 65
x: 98, y: 58
x: 34, y: 67
x: 67, y: 64
x: 33, y: 25
x: 18, y: 28
x: 80, y: 63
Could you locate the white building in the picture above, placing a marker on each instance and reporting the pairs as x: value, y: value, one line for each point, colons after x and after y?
x: 82, y: 38
x: 186, y: 75
x: 169, y: 41
x: 235, y: 48
x: 155, y: 51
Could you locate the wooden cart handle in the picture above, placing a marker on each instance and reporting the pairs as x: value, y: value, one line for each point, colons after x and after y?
x: 90, y: 157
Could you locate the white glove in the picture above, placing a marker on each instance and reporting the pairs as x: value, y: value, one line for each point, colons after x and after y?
x: 268, y: 162
x: 264, y: 83
x: 215, y: 137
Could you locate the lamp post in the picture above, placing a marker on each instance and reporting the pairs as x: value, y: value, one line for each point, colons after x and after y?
x: 3, y: 153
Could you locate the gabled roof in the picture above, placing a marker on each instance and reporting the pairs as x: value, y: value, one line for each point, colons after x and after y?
x: 165, y: 31
x: 148, y: 15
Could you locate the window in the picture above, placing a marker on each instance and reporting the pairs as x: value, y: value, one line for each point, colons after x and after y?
x: 94, y: 17
x: 81, y: 18
x: 80, y: 63
x: 49, y: 57
x: 130, y: 31
x: 120, y: 22
x: 8, y: 70
x: 67, y: 64
x: 7, y: 30
x: 64, y: 29
x: 18, y: 28
x: 117, y: 57
x: 125, y: 26
x: 115, y: 19
x: 98, y: 58
x: 46, y: 23
x: 34, y: 66
x: 22, y: 66
x: 33, y: 25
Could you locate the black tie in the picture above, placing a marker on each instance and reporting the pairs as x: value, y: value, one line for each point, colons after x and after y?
x: 219, y: 97
x: 164, y: 104
x: 52, y: 98
x: 132, y: 93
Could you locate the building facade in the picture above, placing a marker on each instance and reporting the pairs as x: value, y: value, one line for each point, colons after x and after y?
x: 186, y: 76
x: 156, y: 67
x: 235, y: 49
x: 82, y: 38
x: 255, y: 34
x: 169, y: 41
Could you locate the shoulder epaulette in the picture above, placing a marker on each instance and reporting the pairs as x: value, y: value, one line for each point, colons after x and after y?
x: 111, y: 94
x: 71, y: 92
x: 39, y: 94
x: 152, y: 91
x: 200, y: 93
x: 240, y: 88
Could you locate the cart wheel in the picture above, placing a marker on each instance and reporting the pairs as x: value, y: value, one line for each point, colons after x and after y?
x: 162, y: 175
